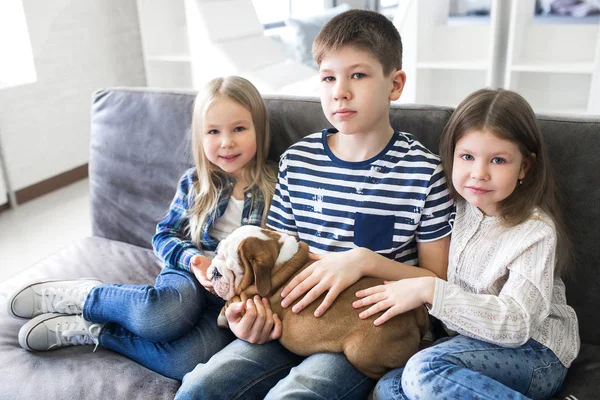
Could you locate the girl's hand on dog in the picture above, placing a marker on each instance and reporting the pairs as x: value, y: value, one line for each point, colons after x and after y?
x: 254, y: 321
x: 395, y: 297
x: 199, y: 265
x: 331, y: 273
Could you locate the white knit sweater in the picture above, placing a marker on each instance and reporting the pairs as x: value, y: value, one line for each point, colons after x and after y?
x: 501, y: 286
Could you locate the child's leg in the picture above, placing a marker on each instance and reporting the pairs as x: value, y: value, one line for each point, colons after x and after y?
x: 172, y: 359
x: 159, y: 313
x: 240, y: 371
x: 323, y: 376
x: 390, y: 386
x: 465, y: 367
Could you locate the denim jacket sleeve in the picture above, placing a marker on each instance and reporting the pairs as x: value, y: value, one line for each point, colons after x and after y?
x: 171, y: 242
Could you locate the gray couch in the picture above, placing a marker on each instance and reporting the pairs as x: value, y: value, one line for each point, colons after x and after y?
x: 139, y: 148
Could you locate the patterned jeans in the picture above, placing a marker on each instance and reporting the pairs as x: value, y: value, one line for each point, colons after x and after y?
x: 465, y: 368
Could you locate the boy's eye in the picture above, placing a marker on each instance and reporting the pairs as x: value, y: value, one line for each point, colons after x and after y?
x: 467, y: 157
x: 239, y: 129
x: 358, y: 75
x: 328, y: 79
x: 498, y: 160
x: 213, y: 132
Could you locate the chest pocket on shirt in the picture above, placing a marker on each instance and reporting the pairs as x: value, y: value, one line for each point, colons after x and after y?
x: 375, y: 232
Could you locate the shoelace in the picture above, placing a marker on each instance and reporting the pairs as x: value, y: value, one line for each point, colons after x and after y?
x: 63, y: 300
x: 76, y: 331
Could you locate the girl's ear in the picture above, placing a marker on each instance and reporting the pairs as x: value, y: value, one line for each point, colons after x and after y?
x: 398, y: 81
x: 526, y: 166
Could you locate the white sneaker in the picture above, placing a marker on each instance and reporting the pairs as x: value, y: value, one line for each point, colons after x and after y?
x: 51, y: 296
x: 52, y: 331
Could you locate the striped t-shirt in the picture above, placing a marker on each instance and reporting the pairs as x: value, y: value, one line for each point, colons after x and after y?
x: 386, y: 203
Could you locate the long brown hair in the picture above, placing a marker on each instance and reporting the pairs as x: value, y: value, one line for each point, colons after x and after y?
x: 257, y: 172
x: 510, y: 117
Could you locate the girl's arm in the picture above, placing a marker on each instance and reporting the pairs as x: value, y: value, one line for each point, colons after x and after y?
x: 394, y: 298
x: 171, y: 243
x: 523, y: 303
x: 506, y: 319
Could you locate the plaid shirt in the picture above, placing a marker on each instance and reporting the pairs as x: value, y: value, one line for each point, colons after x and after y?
x: 172, y: 242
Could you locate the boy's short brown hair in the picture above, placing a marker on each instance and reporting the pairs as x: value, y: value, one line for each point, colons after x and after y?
x: 366, y: 30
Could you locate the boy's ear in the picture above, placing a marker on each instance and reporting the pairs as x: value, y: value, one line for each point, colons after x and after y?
x: 398, y: 81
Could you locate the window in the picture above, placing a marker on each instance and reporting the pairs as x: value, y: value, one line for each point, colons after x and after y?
x: 17, y: 66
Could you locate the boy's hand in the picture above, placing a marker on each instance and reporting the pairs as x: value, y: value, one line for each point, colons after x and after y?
x: 198, y: 265
x: 396, y: 297
x: 258, y: 325
x: 331, y: 273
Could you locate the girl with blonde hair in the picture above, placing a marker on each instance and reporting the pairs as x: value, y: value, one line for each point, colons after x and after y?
x: 170, y: 326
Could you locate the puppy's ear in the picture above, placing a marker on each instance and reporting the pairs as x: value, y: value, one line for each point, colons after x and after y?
x: 262, y: 276
x: 258, y: 257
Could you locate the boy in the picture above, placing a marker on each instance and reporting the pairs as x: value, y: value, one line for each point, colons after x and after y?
x: 364, y: 197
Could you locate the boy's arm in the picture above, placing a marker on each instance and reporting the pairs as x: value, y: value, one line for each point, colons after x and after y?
x: 433, y: 261
x: 334, y: 272
x: 281, y: 217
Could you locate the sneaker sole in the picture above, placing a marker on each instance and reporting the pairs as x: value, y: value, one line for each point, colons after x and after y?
x: 11, y: 312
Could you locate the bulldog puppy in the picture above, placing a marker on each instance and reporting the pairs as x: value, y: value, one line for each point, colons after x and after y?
x: 254, y: 261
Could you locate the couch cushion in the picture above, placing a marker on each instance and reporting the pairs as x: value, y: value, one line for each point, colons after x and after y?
x: 583, y: 376
x: 138, y: 151
x: 574, y: 150
x: 51, y: 375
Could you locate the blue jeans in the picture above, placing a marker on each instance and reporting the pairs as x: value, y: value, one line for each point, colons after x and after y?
x: 465, y: 368
x: 169, y: 327
x: 256, y: 371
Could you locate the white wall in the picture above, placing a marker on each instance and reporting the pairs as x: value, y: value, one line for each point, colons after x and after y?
x: 79, y: 46
x: 3, y: 196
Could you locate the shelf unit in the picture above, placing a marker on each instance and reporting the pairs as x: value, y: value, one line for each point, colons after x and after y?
x: 163, y: 30
x: 446, y: 58
x: 553, y: 61
x: 188, y: 42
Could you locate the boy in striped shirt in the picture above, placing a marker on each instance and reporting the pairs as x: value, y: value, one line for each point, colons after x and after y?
x: 366, y: 198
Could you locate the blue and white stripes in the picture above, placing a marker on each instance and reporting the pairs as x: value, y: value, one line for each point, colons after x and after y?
x: 386, y: 203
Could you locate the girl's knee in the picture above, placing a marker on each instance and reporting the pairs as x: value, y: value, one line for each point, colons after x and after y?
x: 389, y: 386
x: 423, y: 373
x: 397, y: 382
x: 162, y: 319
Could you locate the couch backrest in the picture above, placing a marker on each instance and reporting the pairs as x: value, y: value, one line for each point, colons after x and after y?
x: 140, y: 147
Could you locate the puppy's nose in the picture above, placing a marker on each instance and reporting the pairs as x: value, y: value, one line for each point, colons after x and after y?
x: 215, y: 275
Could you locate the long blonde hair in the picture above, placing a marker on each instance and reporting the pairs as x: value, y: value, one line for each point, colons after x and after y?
x: 509, y: 116
x: 257, y: 172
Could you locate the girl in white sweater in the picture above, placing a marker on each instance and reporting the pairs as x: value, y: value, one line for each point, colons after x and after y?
x: 512, y: 333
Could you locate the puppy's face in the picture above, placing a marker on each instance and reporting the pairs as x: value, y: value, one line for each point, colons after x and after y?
x: 248, y: 254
